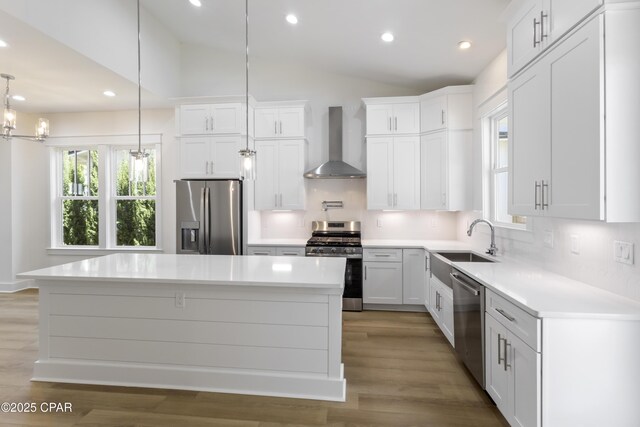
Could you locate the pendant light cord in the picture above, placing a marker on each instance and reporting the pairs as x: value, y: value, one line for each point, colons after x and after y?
x: 246, y: 62
x: 139, y: 90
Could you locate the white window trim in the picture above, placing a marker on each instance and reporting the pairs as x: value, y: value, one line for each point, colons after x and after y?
x: 487, y: 112
x: 106, y: 200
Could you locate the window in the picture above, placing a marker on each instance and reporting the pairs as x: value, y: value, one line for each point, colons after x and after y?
x: 497, y: 124
x: 97, y: 205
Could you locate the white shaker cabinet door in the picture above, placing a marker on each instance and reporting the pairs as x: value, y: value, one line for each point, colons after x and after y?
x: 195, y: 119
x: 195, y: 157
x: 406, y: 118
x: 379, y: 173
x: 433, y: 177
x: 379, y: 119
x: 529, y: 146
x: 564, y: 14
x: 413, y: 277
x: 291, y: 165
x: 266, y: 184
x: 523, y: 36
x: 227, y: 118
x: 524, y: 367
x: 266, y: 122
x: 406, y: 173
x: 496, y: 377
x: 433, y: 114
x: 576, y: 188
x: 291, y: 122
x: 224, y: 157
x: 382, y: 283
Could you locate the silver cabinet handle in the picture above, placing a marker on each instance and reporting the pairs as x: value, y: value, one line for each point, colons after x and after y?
x: 506, y: 363
x: 542, y: 17
x: 499, y: 341
x: 381, y: 255
x: 275, y: 128
x: 290, y: 253
x: 281, y: 127
x: 396, y: 122
x: 442, y: 117
x: 536, y: 42
x: 506, y: 315
x: 536, y: 203
x: 365, y: 272
x: 542, y: 187
x: 280, y: 199
x: 389, y: 124
x: 213, y: 124
x: 206, y: 123
x: 443, y: 198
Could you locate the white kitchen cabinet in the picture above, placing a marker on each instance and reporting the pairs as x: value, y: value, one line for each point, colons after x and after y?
x: 392, y: 116
x: 441, y: 307
x: 209, y: 157
x: 393, y: 173
x: 273, y: 121
x: 261, y: 250
x: 537, y: 24
x: 513, y: 374
x: 382, y: 283
x: 567, y: 159
x: 280, y: 165
x: 413, y: 269
x: 199, y: 119
x: 445, y: 170
x: 447, y: 108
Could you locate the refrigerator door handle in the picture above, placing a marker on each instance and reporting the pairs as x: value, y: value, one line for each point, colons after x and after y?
x: 207, y: 221
x: 201, y: 228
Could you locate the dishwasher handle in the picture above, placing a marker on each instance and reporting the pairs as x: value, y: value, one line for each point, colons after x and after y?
x: 456, y: 278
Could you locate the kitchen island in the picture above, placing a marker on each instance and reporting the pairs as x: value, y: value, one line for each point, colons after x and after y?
x: 236, y: 324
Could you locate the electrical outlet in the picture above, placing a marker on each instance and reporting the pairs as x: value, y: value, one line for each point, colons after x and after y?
x: 548, y: 239
x: 623, y: 252
x: 575, y: 244
x: 181, y: 300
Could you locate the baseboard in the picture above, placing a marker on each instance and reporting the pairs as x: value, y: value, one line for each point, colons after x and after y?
x: 416, y: 308
x: 262, y: 383
x: 18, y: 285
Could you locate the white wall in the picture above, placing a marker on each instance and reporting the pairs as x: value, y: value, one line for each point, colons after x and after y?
x: 593, y: 265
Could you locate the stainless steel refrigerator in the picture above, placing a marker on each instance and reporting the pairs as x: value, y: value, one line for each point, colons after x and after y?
x: 209, y: 217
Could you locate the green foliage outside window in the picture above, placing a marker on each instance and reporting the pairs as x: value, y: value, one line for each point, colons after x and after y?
x: 80, y: 217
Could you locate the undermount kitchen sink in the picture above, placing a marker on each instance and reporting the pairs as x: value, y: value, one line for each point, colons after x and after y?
x: 464, y: 257
x: 441, y: 263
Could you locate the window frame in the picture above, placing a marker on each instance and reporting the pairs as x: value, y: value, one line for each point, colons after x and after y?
x: 106, y: 146
x: 490, y: 115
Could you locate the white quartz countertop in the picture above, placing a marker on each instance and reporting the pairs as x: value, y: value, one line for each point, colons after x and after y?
x: 545, y: 294
x: 263, y: 271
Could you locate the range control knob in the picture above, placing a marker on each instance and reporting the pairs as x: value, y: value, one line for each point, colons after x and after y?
x: 333, y: 250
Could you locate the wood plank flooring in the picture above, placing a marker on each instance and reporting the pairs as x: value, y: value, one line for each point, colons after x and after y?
x: 400, y: 371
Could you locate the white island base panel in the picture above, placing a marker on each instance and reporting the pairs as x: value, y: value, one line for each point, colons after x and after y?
x: 250, y: 340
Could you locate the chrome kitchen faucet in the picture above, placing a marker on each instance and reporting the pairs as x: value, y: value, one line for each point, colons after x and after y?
x: 493, y: 249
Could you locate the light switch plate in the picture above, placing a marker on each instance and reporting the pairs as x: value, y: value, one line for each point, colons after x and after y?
x: 575, y: 244
x: 623, y: 252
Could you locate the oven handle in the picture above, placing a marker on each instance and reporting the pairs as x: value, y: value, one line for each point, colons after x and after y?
x: 467, y: 286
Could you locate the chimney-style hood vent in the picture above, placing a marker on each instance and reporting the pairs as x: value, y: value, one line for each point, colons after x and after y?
x: 335, y: 167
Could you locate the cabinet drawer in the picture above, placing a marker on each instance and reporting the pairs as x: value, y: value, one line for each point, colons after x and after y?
x: 382, y: 255
x: 516, y: 320
x: 261, y: 250
x: 289, y: 251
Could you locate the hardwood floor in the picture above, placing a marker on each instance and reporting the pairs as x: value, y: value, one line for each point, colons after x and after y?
x: 400, y: 371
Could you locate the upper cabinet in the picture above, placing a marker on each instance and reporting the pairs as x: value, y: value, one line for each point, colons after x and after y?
x: 280, y: 119
x: 201, y: 119
x: 445, y: 148
x: 568, y: 159
x: 280, y: 165
x: 392, y: 116
x: 210, y: 156
x: 537, y: 24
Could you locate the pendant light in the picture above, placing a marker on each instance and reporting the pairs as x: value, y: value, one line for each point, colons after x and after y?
x: 9, y: 119
x: 139, y: 161
x: 247, y: 155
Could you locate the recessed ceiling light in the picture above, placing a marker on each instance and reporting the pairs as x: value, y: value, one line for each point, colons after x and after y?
x: 387, y: 37
x: 196, y: 3
x: 292, y: 19
x: 18, y: 98
x: 3, y: 43
x: 464, y: 44
x: 109, y: 93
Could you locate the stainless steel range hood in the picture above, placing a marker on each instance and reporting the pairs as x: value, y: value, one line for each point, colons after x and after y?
x: 335, y: 167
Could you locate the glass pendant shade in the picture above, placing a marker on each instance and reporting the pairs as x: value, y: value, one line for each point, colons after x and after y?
x: 9, y: 119
x: 42, y: 128
x: 247, y: 164
x: 139, y: 166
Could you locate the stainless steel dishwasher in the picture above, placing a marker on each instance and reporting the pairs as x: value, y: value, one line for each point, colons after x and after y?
x: 468, y: 323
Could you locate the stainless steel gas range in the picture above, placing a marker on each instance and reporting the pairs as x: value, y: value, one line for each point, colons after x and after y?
x: 341, y: 239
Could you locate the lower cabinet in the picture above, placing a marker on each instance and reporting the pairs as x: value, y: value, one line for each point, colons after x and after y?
x: 394, y: 276
x: 427, y: 278
x: 276, y: 250
x: 512, y: 369
x: 441, y: 307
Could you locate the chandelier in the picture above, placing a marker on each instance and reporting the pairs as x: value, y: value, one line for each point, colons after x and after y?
x: 9, y: 119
